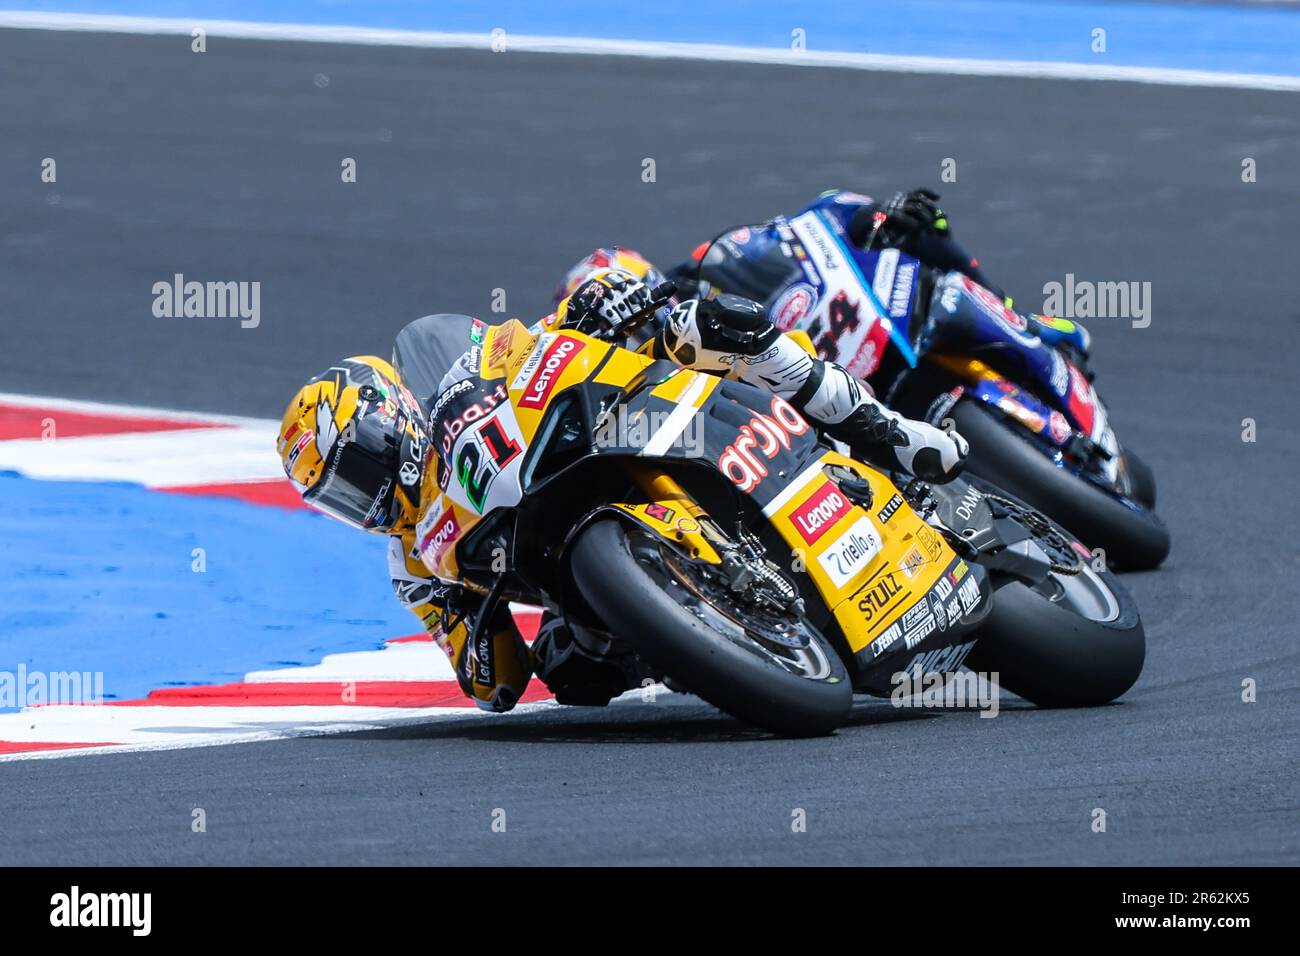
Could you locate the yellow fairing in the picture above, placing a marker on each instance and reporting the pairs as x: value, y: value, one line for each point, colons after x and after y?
x: 442, y: 523
x: 911, y: 557
x: 672, y: 521
x: 803, y: 340
x: 623, y: 366
x: 672, y: 513
x: 539, y: 367
x: 535, y: 369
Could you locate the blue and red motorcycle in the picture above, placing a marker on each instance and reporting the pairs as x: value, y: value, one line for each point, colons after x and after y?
x: 940, y: 346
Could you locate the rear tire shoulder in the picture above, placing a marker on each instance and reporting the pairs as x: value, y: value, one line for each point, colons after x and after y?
x: 1131, y: 539
x: 1054, y: 658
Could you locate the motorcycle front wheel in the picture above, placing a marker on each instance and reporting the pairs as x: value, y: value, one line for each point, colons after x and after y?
x: 769, y: 668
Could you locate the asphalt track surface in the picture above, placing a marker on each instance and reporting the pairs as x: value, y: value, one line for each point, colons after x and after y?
x: 480, y: 171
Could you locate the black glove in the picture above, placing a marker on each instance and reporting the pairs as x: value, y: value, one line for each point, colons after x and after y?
x: 917, y: 211
x: 604, y: 303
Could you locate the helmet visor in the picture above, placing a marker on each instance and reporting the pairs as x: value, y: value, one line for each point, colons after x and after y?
x: 359, y: 481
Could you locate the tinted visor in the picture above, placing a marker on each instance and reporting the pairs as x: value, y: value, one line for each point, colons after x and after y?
x: 360, y: 477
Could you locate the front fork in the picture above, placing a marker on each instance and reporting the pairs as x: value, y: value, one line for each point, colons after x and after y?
x: 741, y: 556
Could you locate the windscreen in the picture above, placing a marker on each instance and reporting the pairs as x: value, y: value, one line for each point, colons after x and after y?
x: 758, y: 271
x: 428, y: 347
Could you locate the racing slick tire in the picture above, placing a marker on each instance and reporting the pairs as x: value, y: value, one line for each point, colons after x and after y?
x: 689, y: 631
x: 1133, y: 537
x: 1058, y: 649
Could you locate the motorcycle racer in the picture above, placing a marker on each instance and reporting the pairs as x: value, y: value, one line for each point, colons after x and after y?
x: 911, y: 222
x: 357, y: 446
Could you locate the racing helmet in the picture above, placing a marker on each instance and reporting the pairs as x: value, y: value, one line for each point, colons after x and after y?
x: 352, y: 441
x: 628, y: 260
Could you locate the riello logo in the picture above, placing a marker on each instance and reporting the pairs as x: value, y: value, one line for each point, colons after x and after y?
x: 764, y: 437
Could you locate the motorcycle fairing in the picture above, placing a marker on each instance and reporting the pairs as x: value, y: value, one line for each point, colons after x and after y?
x: 808, y: 277
x: 873, y: 567
x: 767, y: 451
x: 895, y: 594
x: 965, y: 316
x: 852, y: 311
x: 1017, y: 404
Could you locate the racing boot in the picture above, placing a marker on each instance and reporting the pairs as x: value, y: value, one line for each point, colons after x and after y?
x: 582, y: 668
x: 878, y: 435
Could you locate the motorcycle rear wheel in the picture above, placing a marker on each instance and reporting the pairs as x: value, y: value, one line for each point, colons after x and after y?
x: 1132, y: 537
x: 1074, y: 639
x: 1141, y: 479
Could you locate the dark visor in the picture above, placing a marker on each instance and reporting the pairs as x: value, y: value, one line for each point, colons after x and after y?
x: 357, y: 486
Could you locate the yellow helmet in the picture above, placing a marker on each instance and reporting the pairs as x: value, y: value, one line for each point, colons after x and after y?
x: 353, y: 442
x: 628, y: 260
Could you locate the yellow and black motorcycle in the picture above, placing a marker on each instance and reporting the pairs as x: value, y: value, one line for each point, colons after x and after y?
x: 704, y: 526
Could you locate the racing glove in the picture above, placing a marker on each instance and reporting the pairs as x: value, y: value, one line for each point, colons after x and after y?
x: 904, y: 216
x: 605, y: 302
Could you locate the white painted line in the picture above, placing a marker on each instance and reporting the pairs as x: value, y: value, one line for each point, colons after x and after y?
x: 792, y: 489
x: 1030, y: 69
x: 677, y: 419
x: 154, y: 459
x: 128, y: 411
x: 183, y: 728
x: 408, y: 661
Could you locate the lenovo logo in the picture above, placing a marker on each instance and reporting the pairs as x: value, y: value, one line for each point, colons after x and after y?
x: 552, y: 365
x: 441, y: 536
x: 815, y: 516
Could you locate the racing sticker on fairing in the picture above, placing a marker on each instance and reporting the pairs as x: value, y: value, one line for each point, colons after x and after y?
x: 791, y: 308
x: 849, y: 554
x: 941, y: 660
x: 486, y: 463
x: 544, y: 367
x: 820, y: 512
x: 880, y: 596
x: 841, y: 320
x: 1006, y: 318
x: 436, y: 532
x: 745, y: 461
